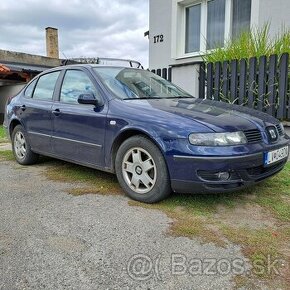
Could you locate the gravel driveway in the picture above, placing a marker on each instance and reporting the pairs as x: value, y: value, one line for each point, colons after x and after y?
x: 52, y: 240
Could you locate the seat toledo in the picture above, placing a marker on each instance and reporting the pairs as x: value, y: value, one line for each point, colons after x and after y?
x: 156, y: 137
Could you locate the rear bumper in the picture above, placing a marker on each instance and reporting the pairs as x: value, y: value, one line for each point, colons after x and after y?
x: 244, y: 171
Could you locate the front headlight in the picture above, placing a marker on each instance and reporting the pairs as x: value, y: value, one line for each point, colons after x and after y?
x: 217, y: 139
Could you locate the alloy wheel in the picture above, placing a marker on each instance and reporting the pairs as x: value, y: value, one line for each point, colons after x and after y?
x: 20, y: 145
x: 139, y: 170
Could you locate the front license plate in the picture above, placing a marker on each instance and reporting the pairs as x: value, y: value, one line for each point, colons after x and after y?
x: 276, y: 155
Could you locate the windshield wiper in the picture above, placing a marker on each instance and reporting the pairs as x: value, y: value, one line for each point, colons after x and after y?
x: 160, y: 98
x: 142, y: 98
x: 179, y: 97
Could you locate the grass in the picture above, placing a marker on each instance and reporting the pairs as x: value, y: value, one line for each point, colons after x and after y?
x: 256, y: 42
x: 3, y: 138
x: 214, y: 218
x: 90, y: 181
x: 6, y: 155
x: 2, y: 132
x: 274, y: 194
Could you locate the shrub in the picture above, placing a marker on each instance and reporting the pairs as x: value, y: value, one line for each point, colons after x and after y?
x: 256, y: 42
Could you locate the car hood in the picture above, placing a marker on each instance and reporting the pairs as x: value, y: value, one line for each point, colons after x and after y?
x: 217, y: 116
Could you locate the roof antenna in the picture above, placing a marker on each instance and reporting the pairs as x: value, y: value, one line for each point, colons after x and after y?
x: 63, y: 54
x: 65, y: 61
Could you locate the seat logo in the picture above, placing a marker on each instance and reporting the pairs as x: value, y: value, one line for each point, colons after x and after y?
x: 272, y: 133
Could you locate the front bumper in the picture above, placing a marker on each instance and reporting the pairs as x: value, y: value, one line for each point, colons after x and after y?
x: 200, y: 172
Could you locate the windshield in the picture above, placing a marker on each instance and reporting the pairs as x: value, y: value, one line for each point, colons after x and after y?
x: 128, y: 83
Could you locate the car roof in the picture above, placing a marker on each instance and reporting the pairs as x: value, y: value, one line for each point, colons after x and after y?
x: 82, y: 65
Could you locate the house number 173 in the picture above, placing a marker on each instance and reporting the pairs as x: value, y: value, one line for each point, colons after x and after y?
x: 158, y: 38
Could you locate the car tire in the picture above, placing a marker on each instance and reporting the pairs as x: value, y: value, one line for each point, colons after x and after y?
x: 21, y: 147
x: 141, y: 170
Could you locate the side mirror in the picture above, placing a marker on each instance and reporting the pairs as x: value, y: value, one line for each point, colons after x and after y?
x: 87, y: 99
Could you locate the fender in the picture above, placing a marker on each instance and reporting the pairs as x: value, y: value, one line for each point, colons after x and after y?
x: 14, y: 118
x: 127, y: 131
x: 148, y: 132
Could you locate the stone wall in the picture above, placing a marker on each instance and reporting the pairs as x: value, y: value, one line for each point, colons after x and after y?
x: 25, y: 58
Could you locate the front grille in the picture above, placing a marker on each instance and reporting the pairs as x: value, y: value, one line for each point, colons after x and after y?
x: 279, y: 129
x: 253, y: 136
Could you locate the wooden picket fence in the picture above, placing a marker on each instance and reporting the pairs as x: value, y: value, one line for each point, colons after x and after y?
x: 260, y: 83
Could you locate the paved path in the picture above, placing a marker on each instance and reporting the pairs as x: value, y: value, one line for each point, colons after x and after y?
x: 52, y: 240
x: 5, y: 146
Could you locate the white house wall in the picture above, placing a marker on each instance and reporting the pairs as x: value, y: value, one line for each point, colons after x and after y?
x: 160, y: 24
x: 277, y: 13
x: 186, y: 77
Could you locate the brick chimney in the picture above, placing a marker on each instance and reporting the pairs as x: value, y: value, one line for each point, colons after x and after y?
x: 52, y: 42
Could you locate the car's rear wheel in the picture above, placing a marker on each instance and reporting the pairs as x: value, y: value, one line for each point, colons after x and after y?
x: 141, y: 170
x: 21, y: 147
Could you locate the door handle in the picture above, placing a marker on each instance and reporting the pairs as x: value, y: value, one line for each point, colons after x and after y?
x: 56, y: 112
x: 23, y: 107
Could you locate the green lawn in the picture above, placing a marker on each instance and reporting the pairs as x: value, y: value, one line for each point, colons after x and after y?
x: 3, y: 138
x: 2, y: 133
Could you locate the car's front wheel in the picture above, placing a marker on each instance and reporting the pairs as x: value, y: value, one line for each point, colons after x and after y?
x: 21, y: 147
x: 141, y: 170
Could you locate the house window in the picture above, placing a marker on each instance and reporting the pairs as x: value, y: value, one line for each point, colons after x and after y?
x: 215, y: 23
x: 192, y: 40
x: 241, y: 16
x: 209, y: 22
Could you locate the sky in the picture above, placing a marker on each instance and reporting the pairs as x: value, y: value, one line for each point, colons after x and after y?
x: 87, y: 28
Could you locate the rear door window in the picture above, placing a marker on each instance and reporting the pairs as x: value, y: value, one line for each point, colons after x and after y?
x: 45, y: 86
x: 29, y: 90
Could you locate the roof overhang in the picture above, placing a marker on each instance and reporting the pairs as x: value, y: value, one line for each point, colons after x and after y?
x: 20, y: 67
x: 12, y: 73
x: 4, y: 69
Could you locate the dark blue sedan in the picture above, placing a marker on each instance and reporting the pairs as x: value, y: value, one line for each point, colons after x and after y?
x: 156, y: 137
